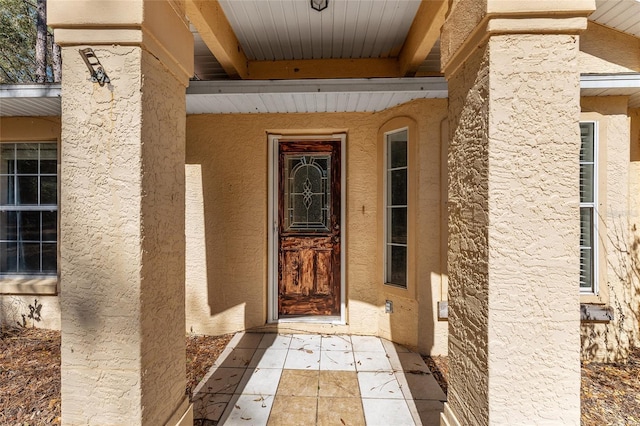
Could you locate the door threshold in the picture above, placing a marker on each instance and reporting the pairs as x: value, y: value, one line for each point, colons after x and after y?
x: 312, y: 319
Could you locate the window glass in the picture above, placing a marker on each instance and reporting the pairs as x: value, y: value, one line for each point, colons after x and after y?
x: 28, y: 208
x: 396, y: 208
x: 588, y: 244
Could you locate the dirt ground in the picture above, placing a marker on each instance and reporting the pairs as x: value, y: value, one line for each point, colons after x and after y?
x: 30, y: 379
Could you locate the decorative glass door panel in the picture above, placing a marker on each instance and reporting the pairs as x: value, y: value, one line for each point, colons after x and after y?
x: 307, y: 192
x: 309, y: 228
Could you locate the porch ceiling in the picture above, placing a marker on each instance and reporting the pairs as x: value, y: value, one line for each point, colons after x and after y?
x: 286, y: 39
x: 622, y: 15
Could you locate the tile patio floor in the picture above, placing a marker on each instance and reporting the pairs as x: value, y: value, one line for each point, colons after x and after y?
x: 305, y: 379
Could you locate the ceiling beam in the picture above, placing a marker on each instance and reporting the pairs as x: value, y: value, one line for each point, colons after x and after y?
x: 214, y: 28
x: 323, y: 68
x: 423, y: 34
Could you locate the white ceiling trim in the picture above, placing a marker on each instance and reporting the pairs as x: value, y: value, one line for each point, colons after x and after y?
x: 282, y: 96
x: 304, y: 96
x: 612, y: 85
x: 30, y: 100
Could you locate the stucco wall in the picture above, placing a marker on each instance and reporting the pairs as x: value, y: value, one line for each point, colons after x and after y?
x: 227, y: 169
x: 533, y: 200
x: 619, y: 238
x: 513, y: 263
x: 634, y: 217
x: 468, y: 244
x: 121, y: 256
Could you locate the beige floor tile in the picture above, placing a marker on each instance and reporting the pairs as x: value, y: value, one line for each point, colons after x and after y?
x: 293, y: 410
x: 298, y: 383
x: 340, y: 411
x: 339, y: 384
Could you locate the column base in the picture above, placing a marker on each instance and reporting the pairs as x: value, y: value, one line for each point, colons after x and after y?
x: 448, y: 418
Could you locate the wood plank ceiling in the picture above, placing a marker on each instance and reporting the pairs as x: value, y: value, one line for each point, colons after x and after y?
x: 287, y: 39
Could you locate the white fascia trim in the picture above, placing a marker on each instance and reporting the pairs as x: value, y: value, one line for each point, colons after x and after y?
x: 431, y: 84
x: 436, y: 85
x: 610, y: 81
x: 30, y: 90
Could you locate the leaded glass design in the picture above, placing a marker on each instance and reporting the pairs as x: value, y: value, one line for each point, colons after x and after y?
x: 28, y: 208
x: 587, y: 207
x: 307, y: 192
x: 396, y: 208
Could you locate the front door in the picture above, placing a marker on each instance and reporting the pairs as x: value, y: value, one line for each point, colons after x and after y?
x: 309, y: 228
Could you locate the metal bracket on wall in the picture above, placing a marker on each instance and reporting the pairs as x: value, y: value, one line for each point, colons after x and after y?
x: 98, y: 75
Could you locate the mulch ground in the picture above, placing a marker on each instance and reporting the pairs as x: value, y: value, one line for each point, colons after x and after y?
x: 30, y: 373
x: 609, y: 393
x: 30, y: 379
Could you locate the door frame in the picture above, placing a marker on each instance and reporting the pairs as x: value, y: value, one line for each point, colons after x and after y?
x: 272, y: 225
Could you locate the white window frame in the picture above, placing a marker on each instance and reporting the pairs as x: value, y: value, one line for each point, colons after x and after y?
x: 595, y: 216
x: 42, y: 283
x: 386, y: 216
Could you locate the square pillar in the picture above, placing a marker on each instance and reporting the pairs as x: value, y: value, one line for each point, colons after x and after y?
x: 122, y: 212
x: 514, y: 105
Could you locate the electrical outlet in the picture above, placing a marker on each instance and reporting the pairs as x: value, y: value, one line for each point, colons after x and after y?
x: 388, y: 307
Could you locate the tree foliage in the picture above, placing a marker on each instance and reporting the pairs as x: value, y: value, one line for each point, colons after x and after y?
x: 18, y: 37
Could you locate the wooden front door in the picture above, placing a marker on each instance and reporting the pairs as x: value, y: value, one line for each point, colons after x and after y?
x: 309, y: 228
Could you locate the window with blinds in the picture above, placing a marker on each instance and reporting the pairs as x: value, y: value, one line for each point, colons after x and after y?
x: 588, y: 211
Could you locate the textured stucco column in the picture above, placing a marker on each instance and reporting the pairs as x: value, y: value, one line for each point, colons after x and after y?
x: 514, y: 343
x: 122, y: 212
